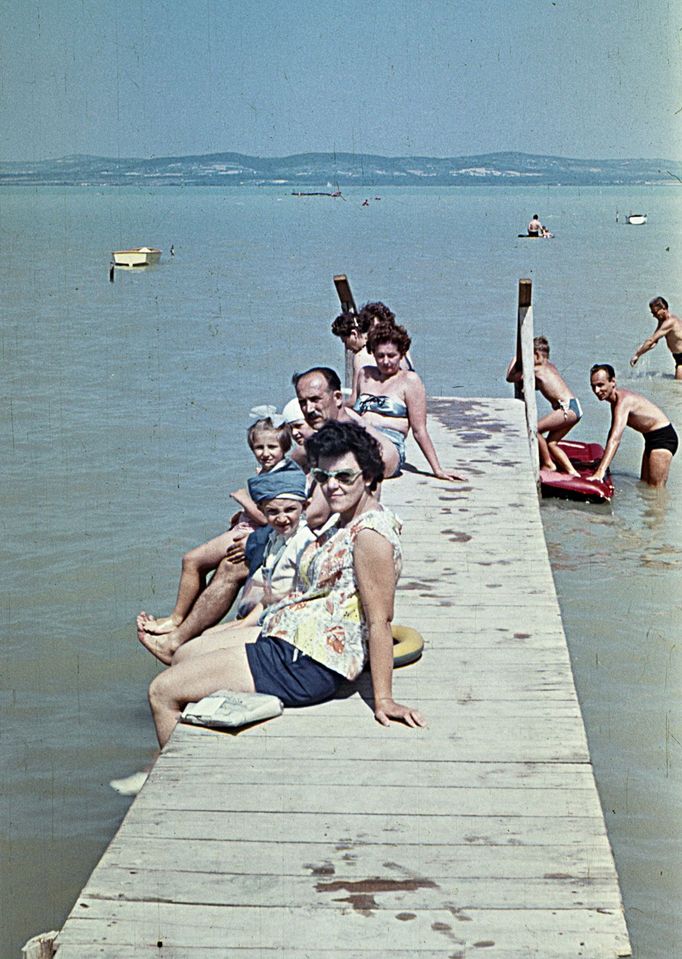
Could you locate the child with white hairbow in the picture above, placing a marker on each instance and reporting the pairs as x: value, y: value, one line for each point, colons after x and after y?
x: 269, y: 439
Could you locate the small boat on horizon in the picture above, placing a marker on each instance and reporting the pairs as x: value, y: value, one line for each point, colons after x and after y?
x: 136, y: 256
x: 636, y: 219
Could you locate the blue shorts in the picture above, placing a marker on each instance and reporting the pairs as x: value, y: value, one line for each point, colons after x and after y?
x: 398, y: 440
x: 283, y: 670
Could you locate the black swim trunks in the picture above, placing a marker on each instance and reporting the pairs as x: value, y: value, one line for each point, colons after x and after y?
x: 664, y: 438
x: 678, y: 359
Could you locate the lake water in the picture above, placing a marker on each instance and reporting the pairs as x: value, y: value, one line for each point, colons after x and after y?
x: 123, y: 414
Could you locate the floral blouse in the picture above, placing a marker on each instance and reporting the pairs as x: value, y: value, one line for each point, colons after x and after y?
x: 323, y: 616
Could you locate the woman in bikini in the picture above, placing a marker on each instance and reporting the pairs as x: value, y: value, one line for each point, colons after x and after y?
x: 393, y: 400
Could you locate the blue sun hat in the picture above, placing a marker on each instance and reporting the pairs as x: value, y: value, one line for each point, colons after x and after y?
x: 286, y: 482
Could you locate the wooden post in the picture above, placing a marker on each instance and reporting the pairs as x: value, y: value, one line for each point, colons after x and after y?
x: 345, y: 295
x: 40, y: 947
x: 524, y: 349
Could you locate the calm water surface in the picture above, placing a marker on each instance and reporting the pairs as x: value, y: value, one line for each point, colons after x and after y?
x: 123, y: 411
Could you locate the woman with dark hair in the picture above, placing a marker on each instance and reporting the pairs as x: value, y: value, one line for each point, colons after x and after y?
x: 393, y: 400
x: 336, y: 617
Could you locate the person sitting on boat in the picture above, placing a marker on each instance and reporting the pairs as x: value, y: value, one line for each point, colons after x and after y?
x: 566, y: 410
x: 270, y: 444
x: 667, y: 325
x: 636, y: 411
x: 337, y: 617
x: 393, y: 400
x: 535, y: 227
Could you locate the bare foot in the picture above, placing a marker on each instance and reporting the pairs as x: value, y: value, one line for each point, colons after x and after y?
x: 161, y: 647
x: 574, y: 473
x: 164, y: 624
x: 549, y: 466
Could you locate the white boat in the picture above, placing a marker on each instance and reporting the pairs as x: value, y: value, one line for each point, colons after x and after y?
x: 138, y: 256
x: 636, y: 219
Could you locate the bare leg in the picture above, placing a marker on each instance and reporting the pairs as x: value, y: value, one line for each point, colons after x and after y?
x: 655, y: 467
x: 214, y: 603
x: 196, y: 564
x: 557, y: 426
x: 189, y: 682
x: 226, y: 636
x: 546, y: 461
x: 678, y: 372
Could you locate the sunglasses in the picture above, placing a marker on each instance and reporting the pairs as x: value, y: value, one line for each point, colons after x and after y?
x: 342, y: 477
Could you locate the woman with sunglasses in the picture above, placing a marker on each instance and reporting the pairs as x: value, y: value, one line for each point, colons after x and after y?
x: 337, y: 616
x: 392, y: 399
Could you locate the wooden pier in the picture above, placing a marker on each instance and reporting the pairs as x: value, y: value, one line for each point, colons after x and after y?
x: 322, y: 834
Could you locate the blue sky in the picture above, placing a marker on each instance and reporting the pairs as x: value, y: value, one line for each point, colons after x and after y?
x: 584, y: 78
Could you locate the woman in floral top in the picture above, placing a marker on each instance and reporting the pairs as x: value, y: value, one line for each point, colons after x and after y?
x: 338, y: 613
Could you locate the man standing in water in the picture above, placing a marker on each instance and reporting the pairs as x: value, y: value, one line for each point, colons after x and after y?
x: 668, y: 326
x: 633, y: 410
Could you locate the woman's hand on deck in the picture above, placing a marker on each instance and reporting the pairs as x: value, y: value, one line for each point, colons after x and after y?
x: 387, y: 709
x: 448, y: 475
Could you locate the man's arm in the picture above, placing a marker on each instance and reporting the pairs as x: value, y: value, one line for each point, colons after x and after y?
x: 651, y: 341
x: 619, y: 420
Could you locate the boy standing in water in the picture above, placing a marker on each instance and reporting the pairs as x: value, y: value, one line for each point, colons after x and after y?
x: 668, y: 326
x: 566, y: 411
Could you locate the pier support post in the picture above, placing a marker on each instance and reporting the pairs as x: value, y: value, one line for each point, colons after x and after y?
x: 40, y: 947
x: 524, y: 349
x: 345, y: 296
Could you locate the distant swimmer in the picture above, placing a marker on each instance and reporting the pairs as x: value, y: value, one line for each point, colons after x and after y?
x: 172, y: 250
x: 631, y: 409
x: 668, y: 326
x: 535, y: 228
x: 566, y: 410
x: 365, y: 203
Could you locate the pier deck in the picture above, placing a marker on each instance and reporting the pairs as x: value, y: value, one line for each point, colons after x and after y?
x: 322, y: 834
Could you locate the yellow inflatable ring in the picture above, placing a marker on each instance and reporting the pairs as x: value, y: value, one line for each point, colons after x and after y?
x: 408, y: 645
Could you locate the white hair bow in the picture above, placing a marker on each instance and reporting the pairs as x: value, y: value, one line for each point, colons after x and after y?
x: 267, y: 411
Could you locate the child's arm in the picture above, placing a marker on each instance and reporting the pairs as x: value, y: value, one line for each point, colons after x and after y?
x: 249, y: 507
x: 514, y: 373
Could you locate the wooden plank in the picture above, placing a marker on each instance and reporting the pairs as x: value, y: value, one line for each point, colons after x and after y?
x: 565, y: 932
x: 322, y: 834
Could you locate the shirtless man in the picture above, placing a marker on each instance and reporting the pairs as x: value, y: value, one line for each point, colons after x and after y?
x: 633, y: 410
x: 668, y: 326
x: 318, y: 391
x: 566, y: 411
x: 535, y: 228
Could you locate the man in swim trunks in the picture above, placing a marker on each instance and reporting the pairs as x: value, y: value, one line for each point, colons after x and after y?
x: 631, y: 409
x: 566, y: 410
x: 535, y: 228
x: 667, y: 325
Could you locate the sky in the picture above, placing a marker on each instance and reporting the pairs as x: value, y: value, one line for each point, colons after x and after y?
x: 144, y: 78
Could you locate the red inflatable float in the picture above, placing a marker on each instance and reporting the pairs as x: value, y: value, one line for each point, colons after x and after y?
x: 585, y: 457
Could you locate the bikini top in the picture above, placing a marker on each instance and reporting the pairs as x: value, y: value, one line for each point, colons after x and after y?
x: 384, y: 405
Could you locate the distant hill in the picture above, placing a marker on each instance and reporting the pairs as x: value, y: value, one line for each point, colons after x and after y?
x: 306, y: 170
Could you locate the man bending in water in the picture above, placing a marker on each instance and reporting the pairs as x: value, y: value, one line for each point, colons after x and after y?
x: 566, y: 411
x: 668, y: 326
x: 633, y: 410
